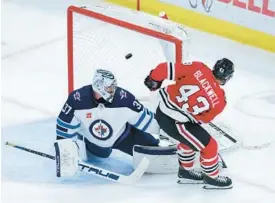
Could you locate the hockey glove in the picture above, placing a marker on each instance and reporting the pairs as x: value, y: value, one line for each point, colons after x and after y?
x: 152, y: 84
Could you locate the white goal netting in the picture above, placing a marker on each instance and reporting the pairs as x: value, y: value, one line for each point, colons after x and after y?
x: 99, y: 43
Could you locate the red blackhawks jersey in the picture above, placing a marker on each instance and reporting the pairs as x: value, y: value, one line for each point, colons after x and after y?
x: 195, y: 96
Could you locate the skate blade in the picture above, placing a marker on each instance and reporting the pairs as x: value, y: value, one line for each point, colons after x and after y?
x: 189, y: 181
x: 213, y: 187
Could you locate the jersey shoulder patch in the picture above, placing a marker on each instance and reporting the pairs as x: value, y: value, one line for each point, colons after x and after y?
x: 124, y: 98
x: 82, y: 98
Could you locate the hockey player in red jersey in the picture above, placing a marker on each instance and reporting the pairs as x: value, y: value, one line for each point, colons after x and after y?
x: 196, y: 97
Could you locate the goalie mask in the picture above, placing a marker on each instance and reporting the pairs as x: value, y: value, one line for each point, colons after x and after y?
x: 105, y: 84
x: 223, y: 70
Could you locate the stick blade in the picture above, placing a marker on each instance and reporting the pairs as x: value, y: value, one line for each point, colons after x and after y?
x: 137, y: 173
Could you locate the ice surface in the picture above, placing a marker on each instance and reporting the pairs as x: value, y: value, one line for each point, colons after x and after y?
x: 34, y: 88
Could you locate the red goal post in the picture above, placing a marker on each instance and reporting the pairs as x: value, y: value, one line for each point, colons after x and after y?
x: 115, y: 15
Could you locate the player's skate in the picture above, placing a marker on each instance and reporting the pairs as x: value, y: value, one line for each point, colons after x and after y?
x: 189, y: 176
x: 220, y: 182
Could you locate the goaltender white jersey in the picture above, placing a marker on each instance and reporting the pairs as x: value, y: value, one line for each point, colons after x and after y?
x: 103, y: 123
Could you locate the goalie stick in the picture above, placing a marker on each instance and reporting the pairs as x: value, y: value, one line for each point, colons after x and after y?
x: 97, y: 171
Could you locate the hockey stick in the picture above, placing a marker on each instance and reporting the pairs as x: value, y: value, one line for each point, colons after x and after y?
x: 251, y: 147
x: 224, y: 165
x: 229, y: 137
x: 222, y: 132
x: 97, y: 171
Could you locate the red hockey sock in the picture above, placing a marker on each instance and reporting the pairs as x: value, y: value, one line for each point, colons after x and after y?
x: 209, y: 159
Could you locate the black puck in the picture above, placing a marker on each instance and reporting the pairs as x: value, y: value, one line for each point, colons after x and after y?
x: 128, y: 56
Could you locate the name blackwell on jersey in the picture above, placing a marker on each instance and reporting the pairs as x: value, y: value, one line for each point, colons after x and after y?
x: 207, y: 88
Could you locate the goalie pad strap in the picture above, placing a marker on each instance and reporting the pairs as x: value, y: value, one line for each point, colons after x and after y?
x: 155, y: 150
x: 57, y: 159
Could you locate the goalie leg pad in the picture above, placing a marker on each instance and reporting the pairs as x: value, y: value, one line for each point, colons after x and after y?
x: 162, y: 159
x: 66, y: 157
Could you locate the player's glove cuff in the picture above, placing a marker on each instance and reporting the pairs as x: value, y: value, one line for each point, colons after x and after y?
x: 152, y: 84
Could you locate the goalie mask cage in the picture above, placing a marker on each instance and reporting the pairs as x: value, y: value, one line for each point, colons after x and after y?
x: 100, y: 36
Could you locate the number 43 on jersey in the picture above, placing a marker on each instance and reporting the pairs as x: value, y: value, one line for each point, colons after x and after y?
x: 201, y: 104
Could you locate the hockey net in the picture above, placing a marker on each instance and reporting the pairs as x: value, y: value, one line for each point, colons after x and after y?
x: 99, y: 36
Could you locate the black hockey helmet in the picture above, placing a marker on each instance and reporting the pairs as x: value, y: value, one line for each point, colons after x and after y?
x: 223, y: 70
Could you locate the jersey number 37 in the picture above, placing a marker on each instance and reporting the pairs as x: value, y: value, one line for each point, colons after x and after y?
x: 201, y: 102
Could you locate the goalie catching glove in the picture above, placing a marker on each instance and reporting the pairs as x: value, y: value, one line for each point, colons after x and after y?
x: 152, y: 84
